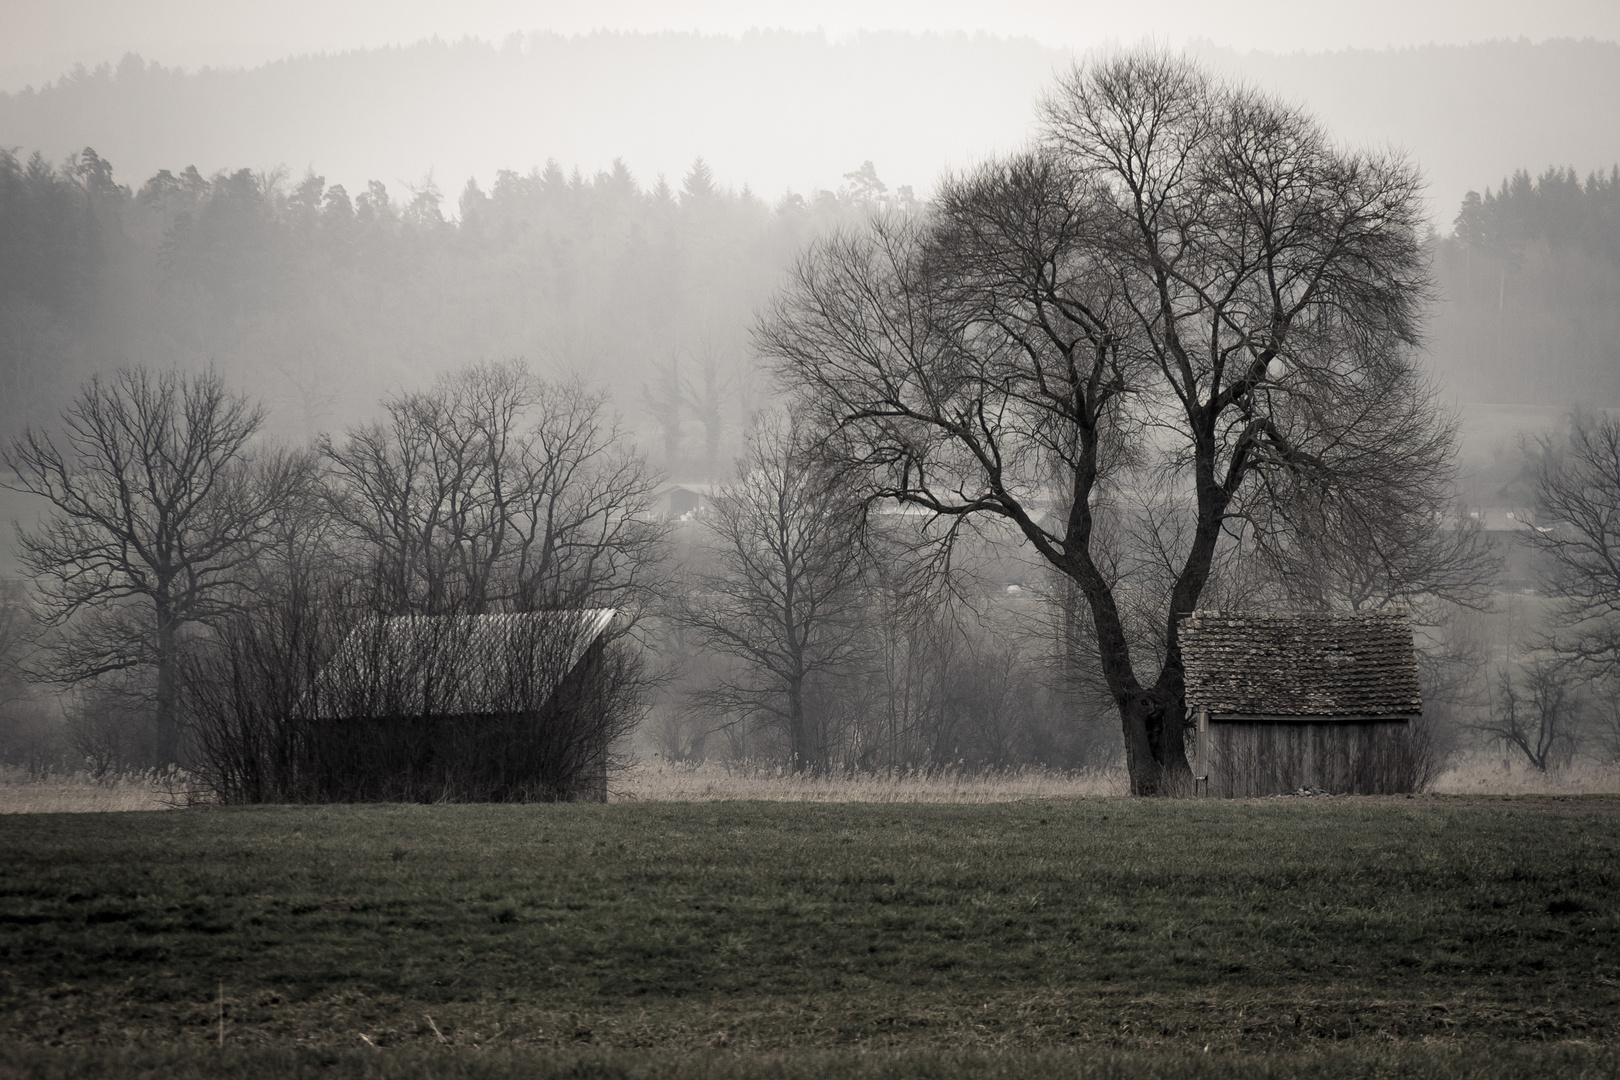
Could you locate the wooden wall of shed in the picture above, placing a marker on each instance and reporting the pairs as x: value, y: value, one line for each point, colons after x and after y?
x: 1248, y: 759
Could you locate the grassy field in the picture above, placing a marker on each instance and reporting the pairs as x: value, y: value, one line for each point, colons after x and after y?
x: 1094, y: 938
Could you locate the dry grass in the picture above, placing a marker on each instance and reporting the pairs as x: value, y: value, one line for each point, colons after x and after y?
x: 80, y: 793
x: 661, y: 781
x: 1484, y: 774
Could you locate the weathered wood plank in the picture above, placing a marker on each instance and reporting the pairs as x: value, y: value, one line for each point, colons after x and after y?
x: 1245, y: 760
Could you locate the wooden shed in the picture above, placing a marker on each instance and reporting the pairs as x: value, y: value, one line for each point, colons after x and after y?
x: 481, y: 708
x: 1289, y: 700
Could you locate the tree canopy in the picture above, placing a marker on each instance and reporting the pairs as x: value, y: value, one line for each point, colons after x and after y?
x: 1173, y: 340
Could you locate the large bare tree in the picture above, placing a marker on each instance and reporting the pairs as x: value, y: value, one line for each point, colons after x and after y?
x: 156, y: 514
x: 1181, y: 324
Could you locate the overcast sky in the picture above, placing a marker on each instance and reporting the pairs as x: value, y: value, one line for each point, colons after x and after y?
x: 39, y: 39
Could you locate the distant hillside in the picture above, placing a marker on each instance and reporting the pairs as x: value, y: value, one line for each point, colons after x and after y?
x: 777, y: 110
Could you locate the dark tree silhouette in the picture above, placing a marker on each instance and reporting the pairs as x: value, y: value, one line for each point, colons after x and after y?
x: 1183, y: 320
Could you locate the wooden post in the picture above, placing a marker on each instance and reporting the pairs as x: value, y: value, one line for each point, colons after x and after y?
x: 1201, y: 754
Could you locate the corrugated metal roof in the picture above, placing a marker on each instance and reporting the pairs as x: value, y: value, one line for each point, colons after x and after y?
x: 456, y: 664
x: 1301, y: 663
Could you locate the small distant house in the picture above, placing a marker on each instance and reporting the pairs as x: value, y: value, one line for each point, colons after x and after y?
x: 1289, y: 700
x: 481, y: 708
x: 1511, y: 532
x: 680, y: 500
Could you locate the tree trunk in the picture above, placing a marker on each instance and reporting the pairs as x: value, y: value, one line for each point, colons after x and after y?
x: 798, y: 737
x: 165, y: 720
x: 1155, y: 745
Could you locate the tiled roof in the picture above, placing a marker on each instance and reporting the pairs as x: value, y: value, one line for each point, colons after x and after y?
x: 1301, y: 664
x: 456, y: 664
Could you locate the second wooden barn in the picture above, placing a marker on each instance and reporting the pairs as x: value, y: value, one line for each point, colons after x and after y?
x: 484, y: 708
x: 1291, y: 700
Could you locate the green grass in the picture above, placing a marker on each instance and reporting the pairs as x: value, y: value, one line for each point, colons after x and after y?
x: 1385, y: 1063
x: 1082, y: 939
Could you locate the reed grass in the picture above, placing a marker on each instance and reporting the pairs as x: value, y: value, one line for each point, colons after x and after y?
x: 663, y: 781
x: 78, y: 792
x: 1477, y: 773
x: 1474, y: 773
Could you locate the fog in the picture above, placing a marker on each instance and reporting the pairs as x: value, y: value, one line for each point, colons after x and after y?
x: 47, y: 37
x: 776, y: 110
x: 334, y: 209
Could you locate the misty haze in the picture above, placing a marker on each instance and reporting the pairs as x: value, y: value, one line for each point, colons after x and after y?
x: 819, y: 542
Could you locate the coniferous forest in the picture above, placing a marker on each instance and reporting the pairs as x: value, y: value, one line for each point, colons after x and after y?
x: 312, y: 297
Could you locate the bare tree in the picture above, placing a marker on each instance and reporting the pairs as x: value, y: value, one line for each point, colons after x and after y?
x: 1184, y: 317
x: 29, y: 735
x: 706, y: 400
x: 782, y: 596
x: 664, y: 399
x: 1577, y: 485
x: 156, y: 514
x: 17, y: 633
x: 497, y: 491
x: 1536, y: 710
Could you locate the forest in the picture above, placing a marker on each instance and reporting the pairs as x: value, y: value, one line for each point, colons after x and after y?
x: 1530, y: 292
x: 312, y: 297
x: 338, y: 324
x: 309, y: 297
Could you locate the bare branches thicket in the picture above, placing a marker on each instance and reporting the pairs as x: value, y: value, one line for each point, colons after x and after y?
x: 313, y: 706
x: 1184, y: 311
x: 474, y: 527
x: 156, y: 514
x: 782, y: 593
x: 1577, y: 484
x: 497, y: 491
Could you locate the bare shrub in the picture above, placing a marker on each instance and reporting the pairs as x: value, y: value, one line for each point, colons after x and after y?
x: 1536, y: 710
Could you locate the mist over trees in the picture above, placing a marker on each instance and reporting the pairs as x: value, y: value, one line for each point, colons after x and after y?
x: 1530, y: 276
x: 780, y: 109
x: 312, y: 298
x: 365, y: 338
